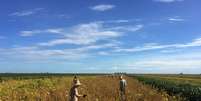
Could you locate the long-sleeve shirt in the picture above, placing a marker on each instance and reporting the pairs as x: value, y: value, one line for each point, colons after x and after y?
x: 122, y: 84
x: 74, y: 94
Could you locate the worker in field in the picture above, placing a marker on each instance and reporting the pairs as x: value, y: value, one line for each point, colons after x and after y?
x: 74, y: 95
x: 122, y: 88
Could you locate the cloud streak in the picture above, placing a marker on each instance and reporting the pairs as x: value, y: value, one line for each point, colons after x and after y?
x: 176, y: 19
x: 155, y: 46
x: 38, y: 54
x: 128, y: 28
x: 102, y: 7
x: 29, y: 33
x: 26, y: 12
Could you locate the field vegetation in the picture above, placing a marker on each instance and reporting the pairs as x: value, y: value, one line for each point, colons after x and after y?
x: 186, y: 86
x: 56, y: 88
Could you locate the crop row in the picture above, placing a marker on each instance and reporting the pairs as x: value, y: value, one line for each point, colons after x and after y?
x: 187, y: 91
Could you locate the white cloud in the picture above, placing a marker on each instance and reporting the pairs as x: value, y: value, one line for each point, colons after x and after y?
x: 89, y: 33
x: 120, y: 21
x: 165, y: 65
x: 34, y: 53
x: 99, y: 46
x: 29, y: 33
x: 171, y: 50
x: 128, y: 28
x: 33, y: 32
x: 38, y: 54
x: 103, y: 53
x: 194, y: 43
x: 171, y: 61
x: 175, y: 19
x: 26, y: 12
x: 23, y: 13
x: 103, y: 7
x: 85, y: 34
x: 56, y: 30
x: 117, y: 21
x: 168, y: 1
x: 187, y: 62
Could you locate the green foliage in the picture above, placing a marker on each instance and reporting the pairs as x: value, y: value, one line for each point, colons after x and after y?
x: 188, y: 91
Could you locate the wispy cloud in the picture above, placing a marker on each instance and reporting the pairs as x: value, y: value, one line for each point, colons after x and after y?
x: 102, y: 7
x: 132, y: 28
x: 120, y: 21
x: 168, y: 1
x: 33, y: 32
x: 155, y: 46
x: 103, y: 53
x: 89, y: 39
x: 26, y: 12
x: 37, y: 54
x: 176, y: 19
x: 187, y: 62
x: 90, y: 33
x: 84, y: 34
x: 169, y: 63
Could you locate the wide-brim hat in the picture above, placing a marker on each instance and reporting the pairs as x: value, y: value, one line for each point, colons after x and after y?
x: 77, y: 83
x: 121, y: 76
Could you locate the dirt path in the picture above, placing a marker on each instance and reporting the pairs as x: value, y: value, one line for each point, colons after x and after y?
x: 106, y: 89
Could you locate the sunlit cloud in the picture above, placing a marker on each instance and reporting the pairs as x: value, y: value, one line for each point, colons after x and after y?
x: 90, y: 33
x: 35, y: 53
x: 132, y: 28
x: 103, y: 7
x: 174, y: 61
x: 176, y: 19
x: 155, y: 46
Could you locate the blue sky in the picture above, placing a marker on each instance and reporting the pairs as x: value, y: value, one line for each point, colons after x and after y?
x: 136, y: 36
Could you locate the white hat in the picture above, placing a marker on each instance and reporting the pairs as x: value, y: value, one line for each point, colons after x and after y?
x: 121, y: 77
x: 77, y: 83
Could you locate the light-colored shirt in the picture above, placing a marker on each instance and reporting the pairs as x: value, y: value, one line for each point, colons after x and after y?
x: 74, y: 94
x: 122, y: 85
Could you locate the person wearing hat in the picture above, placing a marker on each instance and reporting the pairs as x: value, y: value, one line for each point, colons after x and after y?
x: 74, y: 95
x: 74, y: 80
x: 122, y: 88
